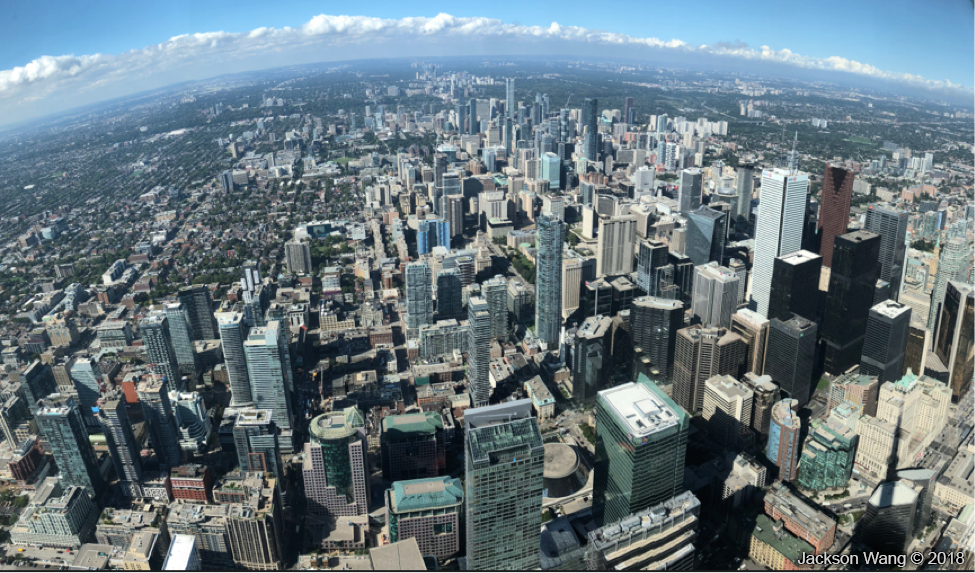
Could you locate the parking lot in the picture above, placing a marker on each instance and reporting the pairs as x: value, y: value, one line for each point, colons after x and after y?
x: 46, y: 556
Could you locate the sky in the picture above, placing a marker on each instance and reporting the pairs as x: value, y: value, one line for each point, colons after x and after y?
x: 56, y: 55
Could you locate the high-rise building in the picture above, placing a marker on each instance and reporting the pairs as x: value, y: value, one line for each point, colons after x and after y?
x: 159, y: 349
x: 454, y: 214
x: 59, y: 420
x: 432, y: 233
x: 886, y: 341
x: 918, y: 343
x: 590, y: 116
x: 509, y: 100
x: 888, y: 524
x: 419, y: 298
x: 827, y: 457
x: 701, y: 353
x: 778, y: 229
x: 641, y: 438
x: 651, y: 257
x: 192, y: 421
x: 795, y: 285
x: 727, y: 410
x: 336, y: 469
x: 233, y: 333
x: 158, y: 412
x: 753, y: 329
x: 765, y: 394
x: 834, y: 209
x: 549, y: 239
x: 495, y: 292
x: 953, y: 343
x: 783, y: 438
x: 256, y: 442
x: 428, y: 510
x: 181, y: 337
x: 450, y: 302
x: 87, y: 377
x: 715, y: 297
x: 198, y: 303
x: 745, y: 186
x: 298, y: 256
x: 591, y: 359
x: 790, y: 355
x: 122, y: 446
x: 689, y: 191
x: 891, y: 225
x: 614, y: 249
x: 851, y: 291
x: 36, y: 382
x: 269, y: 369
x: 504, y: 459
x: 412, y: 446
x: 953, y: 264
x: 255, y: 528
x: 654, y: 323
x: 479, y: 350
x: 706, y: 236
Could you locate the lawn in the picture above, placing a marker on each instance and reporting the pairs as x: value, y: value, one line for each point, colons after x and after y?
x: 823, y: 384
x: 860, y: 140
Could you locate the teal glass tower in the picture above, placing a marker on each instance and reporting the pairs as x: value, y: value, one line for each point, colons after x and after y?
x: 641, y: 440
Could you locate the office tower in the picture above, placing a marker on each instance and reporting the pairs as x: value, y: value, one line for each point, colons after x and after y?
x: 834, y: 209
x: 753, y: 329
x: 122, y: 445
x: 255, y: 529
x: 16, y: 421
x: 495, y: 293
x: 298, y: 254
x: 158, y: 413
x: 256, y: 442
x: 795, y: 285
x: 651, y: 257
x: 699, y: 354
x: 715, y: 297
x: 520, y: 305
x: 661, y: 538
x: 706, y: 236
x: 918, y: 343
x: 783, y: 438
x: 886, y: 341
x: 36, y: 382
x: 336, y: 469
x: 412, y: 446
x: 461, y: 111
x: 738, y: 267
x: 159, y: 349
x: 479, y: 350
x: 891, y: 225
x: 953, y: 343
x: 778, y: 229
x: 181, y: 337
x: 591, y: 359
x: 689, y: 190
x: 87, y: 378
x: 269, y: 369
x: 549, y: 240
x: 449, y: 294
x: 765, y: 394
x: 509, y: 100
x: 924, y: 482
x: 454, y: 213
x: 745, y: 185
x: 504, y: 459
x: 551, y: 170
x: 956, y: 255
x: 60, y: 422
x: 641, y: 438
x: 790, y: 355
x: 429, y: 511
x: 827, y: 457
x: 851, y: 288
x: 654, y: 323
x: 233, y: 332
x: 590, y: 116
x: 727, y: 410
x: 614, y: 249
x: 419, y: 299
x: 432, y: 233
x: 199, y: 308
x: 473, y: 126
x: 439, y: 168
x: 227, y: 180
x: 888, y: 523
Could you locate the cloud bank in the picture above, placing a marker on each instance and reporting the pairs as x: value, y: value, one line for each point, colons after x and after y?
x: 53, y: 76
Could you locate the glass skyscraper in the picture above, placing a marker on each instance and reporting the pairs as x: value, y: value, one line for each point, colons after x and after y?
x: 233, y: 332
x: 419, y: 295
x: 479, y: 350
x: 269, y: 367
x: 159, y: 349
x: 550, y: 236
x: 778, y: 229
x: 181, y: 336
x: 59, y: 420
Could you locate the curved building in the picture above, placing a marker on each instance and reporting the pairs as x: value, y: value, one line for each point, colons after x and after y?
x: 783, y: 438
x: 335, y: 468
x: 562, y: 475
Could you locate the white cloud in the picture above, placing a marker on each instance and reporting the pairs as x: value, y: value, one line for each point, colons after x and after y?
x: 55, y: 75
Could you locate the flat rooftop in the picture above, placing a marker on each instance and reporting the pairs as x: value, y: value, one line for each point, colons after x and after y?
x: 799, y: 257
x: 639, y: 410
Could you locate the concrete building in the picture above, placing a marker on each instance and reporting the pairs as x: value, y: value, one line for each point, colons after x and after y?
x: 412, y: 446
x: 550, y: 236
x: 341, y: 486
x: 298, y: 257
x: 727, y: 410
x: 271, y: 378
x: 59, y: 421
x: 805, y: 521
x: 159, y: 349
x: 778, y: 229
x: 753, y: 329
x: 233, y: 333
x: 57, y: 516
x: 256, y: 442
x: 701, y: 353
x: 428, y: 510
x: 783, y: 440
x: 122, y: 445
x: 479, y: 350
x: 654, y: 325
x: 715, y: 297
x: 161, y: 421
x: 614, y: 245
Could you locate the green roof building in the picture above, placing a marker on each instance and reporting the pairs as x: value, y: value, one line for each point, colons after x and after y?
x: 428, y: 510
x: 412, y: 446
x: 827, y: 458
x: 771, y: 545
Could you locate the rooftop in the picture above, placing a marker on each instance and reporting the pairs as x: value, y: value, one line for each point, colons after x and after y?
x: 799, y: 257
x: 400, y: 556
x: 775, y: 535
x: 335, y: 425
x: 640, y: 410
x: 891, y: 494
x: 891, y: 309
x: 427, y: 493
x: 424, y: 423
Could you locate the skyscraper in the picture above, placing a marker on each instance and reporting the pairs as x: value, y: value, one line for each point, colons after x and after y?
x: 509, y: 100
x: 549, y: 239
x: 419, y: 298
x: 953, y: 343
x: 614, y: 245
x: 479, y: 350
x: 591, y: 359
x: 689, y: 190
x: 727, y: 409
x: 885, y: 341
x: 495, y: 292
x: 715, y: 296
x: 778, y: 229
x: 269, y: 369
x: 256, y: 442
x: 706, y: 236
x: 233, y: 332
x: 834, y: 209
x: 790, y: 355
x: 87, y: 377
x: 198, y: 303
x: 504, y: 459
x: 298, y: 255
x: 795, y: 285
x: 753, y: 329
x: 159, y: 349
x: 181, y: 337
x: 59, y: 420
x: 158, y: 413
x: 590, y: 116
x: 641, y: 438
x: 36, y: 382
x: 888, y: 523
x: 745, y: 185
x: 952, y: 266
x: 654, y: 323
x: 336, y: 469
x: 851, y: 292
x: 783, y: 438
x: 449, y: 294
x: 651, y: 257
x: 701, y: 353
x: 454, y: 213
x: 122, y: 445
x: 412, y: 446
x: 891, y: 225
x: 432, y: 233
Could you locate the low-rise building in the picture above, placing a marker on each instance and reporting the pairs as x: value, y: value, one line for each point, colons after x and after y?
x: 56, y: 517
x: 541, y: 397
x: 773, y: 546
x: 802, y: 519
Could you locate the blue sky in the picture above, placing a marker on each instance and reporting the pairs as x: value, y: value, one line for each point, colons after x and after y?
x: 932, y: 39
